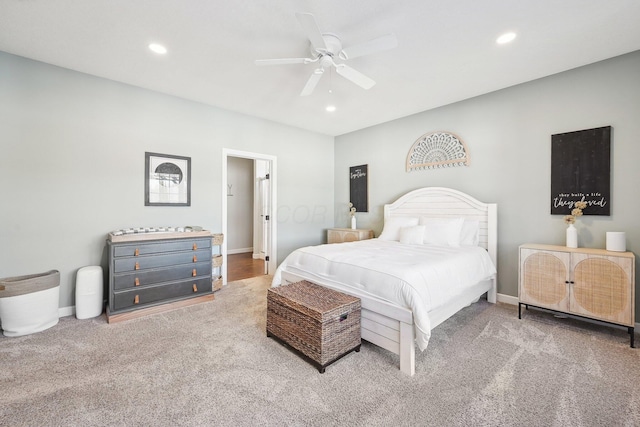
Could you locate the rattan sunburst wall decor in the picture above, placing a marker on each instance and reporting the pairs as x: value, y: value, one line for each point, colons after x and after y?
x: 437, y: 150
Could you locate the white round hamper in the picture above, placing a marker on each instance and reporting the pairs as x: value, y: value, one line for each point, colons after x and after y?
x: 29, y: 304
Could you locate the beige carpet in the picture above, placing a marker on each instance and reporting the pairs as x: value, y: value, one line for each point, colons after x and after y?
x: 212, y: 365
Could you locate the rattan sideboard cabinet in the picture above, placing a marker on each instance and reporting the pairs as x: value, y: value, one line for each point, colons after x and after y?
x: 592, y: 283
x: 154, y: 272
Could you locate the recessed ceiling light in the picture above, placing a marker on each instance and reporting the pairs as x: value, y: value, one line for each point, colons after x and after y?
x: 158, y: 48
x: 506, y: 38
x: 331, y: 108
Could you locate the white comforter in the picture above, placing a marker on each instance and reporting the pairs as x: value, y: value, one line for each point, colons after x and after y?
x: 419, y: 277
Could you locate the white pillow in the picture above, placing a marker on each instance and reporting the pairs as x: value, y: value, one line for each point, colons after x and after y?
x: 412, y: 235
x: 470, y: 234
x: 442, y: 231
x: 392, y: 226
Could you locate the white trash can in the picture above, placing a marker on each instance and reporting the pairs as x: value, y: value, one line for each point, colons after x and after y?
x: 89, y: 292
x: 29, y: 304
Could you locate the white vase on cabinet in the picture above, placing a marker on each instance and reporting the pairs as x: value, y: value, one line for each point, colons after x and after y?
x: 572, y: 236
x: 353, y: 222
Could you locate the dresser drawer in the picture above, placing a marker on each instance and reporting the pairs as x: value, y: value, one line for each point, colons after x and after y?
x: 134, y: 298
x: 155, y: 248
x: 168, y: 274
x: 121, y: 265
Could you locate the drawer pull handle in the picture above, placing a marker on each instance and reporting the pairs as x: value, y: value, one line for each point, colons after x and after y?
x: 195, y: 288
x: 136, y: 300
x: 194, y: 273
x: 195, y: 246
x: 136, y: 282
x: 195, y: 258
x: 137, y: 266
x: 136, y: 252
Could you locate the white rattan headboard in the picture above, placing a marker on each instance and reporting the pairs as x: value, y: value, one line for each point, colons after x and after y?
x: 440, y: 202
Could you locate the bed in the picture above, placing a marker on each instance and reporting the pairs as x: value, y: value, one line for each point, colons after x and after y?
x: 404, y: 298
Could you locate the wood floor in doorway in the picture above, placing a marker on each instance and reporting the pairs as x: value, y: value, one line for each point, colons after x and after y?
x: 243, y: 266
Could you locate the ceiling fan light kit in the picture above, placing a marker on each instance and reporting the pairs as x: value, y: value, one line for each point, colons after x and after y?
x: 326, y: 48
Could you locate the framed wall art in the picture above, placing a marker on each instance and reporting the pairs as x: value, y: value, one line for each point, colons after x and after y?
x: 167, y: 180
x: 358, y: 187
x: 580, y: 171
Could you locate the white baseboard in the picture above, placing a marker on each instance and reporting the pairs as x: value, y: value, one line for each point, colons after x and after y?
x: 507, y: 299
x: 239, y: 251
x: 66, y: 311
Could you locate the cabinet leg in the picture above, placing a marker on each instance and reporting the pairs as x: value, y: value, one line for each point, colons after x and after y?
x: 632, y: 337
x: 519, y: 310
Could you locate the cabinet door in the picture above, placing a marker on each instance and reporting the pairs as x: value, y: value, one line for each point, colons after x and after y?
x: 544, y: 278
x: 602, y: 287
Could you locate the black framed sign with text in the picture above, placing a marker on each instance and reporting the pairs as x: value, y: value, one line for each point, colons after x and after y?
x: 358, y: 187
x: 580, y: 171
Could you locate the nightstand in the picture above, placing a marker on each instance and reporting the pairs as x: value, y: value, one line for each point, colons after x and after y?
x: 341, y: 235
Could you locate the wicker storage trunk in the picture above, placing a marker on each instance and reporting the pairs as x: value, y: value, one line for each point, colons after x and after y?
x: 321, y: 324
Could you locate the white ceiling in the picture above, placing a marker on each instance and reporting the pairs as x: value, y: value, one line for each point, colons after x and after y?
x: 446, y: 49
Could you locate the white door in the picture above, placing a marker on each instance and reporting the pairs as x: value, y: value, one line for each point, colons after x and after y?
x: 264, y: 195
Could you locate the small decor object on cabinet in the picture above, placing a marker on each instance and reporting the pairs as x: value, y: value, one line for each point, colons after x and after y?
x: 616, y: 241
x: 352, y: 212
x: 592, y: 283
x: 572, y: 236
x: 572, y: 232
x: 167, y: 180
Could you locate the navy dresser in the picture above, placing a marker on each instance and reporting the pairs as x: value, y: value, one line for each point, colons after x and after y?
x: 154, y: 272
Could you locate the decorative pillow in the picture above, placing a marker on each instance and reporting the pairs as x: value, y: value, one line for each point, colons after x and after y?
x: 442, y: 231
x: 470, y: 234
x: 392, y: 226
x: 412, y: 235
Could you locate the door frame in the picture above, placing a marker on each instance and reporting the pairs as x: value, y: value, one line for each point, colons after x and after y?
x: 272, y: 249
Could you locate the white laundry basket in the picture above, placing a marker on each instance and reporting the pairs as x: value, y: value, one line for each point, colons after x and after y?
x: 89, y: 292
x: 29, y: 304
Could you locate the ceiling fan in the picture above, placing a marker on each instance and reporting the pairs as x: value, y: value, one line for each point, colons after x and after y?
x: 326, y: 48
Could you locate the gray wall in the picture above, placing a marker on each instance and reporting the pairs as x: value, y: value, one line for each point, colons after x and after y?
x: 72, y: 157
x: 240, y: 205
x: 508, y: 135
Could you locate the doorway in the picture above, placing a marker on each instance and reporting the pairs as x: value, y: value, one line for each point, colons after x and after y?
x: 263, y: 256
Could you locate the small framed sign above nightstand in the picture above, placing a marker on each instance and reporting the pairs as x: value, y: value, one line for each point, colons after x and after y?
x: 341, y: 235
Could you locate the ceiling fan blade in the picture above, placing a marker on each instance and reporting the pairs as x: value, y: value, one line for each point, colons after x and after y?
x: 281, y: 61
x: 312, y: 82
x: 355, y: 76
x: 386, y: 42
x: 310, y: 27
